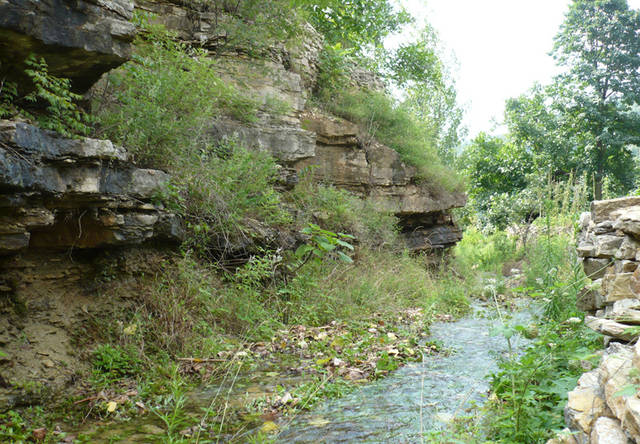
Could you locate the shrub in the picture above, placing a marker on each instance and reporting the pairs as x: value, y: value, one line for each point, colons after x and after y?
x: 340, y: 211
x: 51, y: 103
x: 222, y: 193
x: 160, y: 104
x: 111, y: 363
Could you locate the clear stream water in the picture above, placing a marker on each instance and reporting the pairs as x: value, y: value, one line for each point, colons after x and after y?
x: 420, y: 397
x: 401, y: 408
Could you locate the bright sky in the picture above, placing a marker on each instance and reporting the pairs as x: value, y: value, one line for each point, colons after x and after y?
x: 501, y: 47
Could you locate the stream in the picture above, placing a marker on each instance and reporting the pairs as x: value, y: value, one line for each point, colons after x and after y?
x: 417, y: 398
x: 401, y: 408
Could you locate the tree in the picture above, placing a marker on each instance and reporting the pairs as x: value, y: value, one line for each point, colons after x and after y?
x: 355, y: 24
x: 599, y: 44
x: 537, y: 121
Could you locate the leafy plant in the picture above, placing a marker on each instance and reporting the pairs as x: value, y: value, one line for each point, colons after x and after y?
x: 62, y: 113
x: 113, y: 363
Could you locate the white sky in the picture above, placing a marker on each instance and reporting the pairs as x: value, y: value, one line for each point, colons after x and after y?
x: 501, y: 47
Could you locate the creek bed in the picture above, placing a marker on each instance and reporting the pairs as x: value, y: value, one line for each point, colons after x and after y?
x: 420, y: 397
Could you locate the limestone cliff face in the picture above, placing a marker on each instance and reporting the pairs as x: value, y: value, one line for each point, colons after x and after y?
x: 60, y: 193
x: 65, y: 203
x: 81, y: 39
x: 67, y: 193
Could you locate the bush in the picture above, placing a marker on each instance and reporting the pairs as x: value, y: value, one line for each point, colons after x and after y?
x: 222, y: 193
x: 51, y: 103
x: 340, y: 211
x: 160, y: 104
x: 111, y: 363
x: 477, y: 251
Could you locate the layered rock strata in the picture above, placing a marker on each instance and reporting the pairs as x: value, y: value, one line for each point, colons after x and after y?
x: 337, y: 151
x: 80, y: 39
x: 58, y: 193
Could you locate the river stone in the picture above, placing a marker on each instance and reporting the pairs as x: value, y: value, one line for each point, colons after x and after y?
x: 608, y: 431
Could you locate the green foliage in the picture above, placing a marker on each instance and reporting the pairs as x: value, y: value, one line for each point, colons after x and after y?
x: 221, y: 193
x: 485, y: 253
x: 160, y: 104
x: 322, y: 243
x: 356, y: 24
x: 13, y: 428
x: 111, y: 363
x: 8, y: 95
x: 340, y: 211
x: 51, y: 102
x: 598, y: 46
x: 532, y: 390
x: 62, y: 113
x: 395, y: 126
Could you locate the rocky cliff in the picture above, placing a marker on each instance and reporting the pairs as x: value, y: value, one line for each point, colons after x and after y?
x: 71, y: 209
x: 605, y: 407
x: 300, y: 136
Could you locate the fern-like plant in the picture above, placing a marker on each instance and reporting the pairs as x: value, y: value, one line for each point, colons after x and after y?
x: 62, y: 112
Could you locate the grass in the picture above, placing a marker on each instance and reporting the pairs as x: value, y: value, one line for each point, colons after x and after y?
x: 393, y: 125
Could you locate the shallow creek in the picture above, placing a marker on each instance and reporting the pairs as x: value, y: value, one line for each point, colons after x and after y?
x: 420, y: 397
x: 401, y: 408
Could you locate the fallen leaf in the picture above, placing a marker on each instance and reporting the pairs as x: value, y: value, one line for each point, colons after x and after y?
x: 111, y: 406
x: 318, y: 422
x: 269, y: 427
x: 39, y: 434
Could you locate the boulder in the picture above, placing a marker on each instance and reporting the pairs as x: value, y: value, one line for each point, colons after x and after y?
x: 616, y: 287
x: 606, y: 245
x: 608, y: 431
x: 595, y: 268
x: 585, y: 403
x: 80, y: 40
x: 627, y: 220
x: 610, y: 328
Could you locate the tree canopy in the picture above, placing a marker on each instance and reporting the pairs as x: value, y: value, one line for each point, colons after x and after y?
x: 599, y: 46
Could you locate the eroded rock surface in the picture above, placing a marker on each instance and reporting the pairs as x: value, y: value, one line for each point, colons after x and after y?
x: 75, y: 193
x: 605, y: 407
x: 80, y: 39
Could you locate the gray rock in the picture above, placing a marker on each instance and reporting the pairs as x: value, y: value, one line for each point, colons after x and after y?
x: 58, y: 193
x: 81, y: 40
x: 608, y: 431
x: 595, y: 268
x: 601, y: 209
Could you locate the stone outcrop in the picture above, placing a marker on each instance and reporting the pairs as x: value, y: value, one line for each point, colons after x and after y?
x: 80, y: 39
x: 605, y: 407
x: 75, y: 193
x: 339, y: 152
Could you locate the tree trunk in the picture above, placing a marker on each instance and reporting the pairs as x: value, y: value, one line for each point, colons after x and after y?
x: 599, y: 176
x: 597, y: 187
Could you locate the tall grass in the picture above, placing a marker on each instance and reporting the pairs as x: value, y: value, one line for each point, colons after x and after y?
x: 392, y: 124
